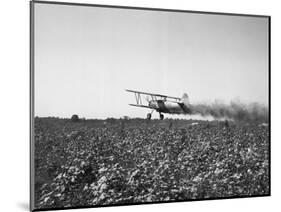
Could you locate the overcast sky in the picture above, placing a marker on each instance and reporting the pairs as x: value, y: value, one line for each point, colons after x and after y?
x: 85, y: 58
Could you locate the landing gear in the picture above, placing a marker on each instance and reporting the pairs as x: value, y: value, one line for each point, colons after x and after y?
x: 148, y: 116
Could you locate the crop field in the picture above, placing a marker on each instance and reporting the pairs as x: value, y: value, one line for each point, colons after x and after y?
x: 114, y: 161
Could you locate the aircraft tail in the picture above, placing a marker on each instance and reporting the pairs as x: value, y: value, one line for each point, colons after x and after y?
x: 185, y: 99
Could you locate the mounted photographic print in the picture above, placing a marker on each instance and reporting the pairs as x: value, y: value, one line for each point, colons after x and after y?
x: 141, y: 105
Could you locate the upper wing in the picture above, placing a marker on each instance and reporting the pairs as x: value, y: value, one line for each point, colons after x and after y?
x: 153, y: 94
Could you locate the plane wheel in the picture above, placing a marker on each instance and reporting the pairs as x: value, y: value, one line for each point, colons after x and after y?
x: 148, y: 116
x: 161, y: 116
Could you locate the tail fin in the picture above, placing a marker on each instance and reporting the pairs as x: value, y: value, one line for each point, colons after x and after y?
x: 185, y: 99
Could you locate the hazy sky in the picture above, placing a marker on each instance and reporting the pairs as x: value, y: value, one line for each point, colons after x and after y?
x: 85, y: 58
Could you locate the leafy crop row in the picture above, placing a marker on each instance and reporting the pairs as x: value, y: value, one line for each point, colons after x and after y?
x: 83, y: 164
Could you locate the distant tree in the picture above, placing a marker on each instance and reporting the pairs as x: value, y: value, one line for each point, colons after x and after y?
x: 75, y: 118
x: 111, y: 120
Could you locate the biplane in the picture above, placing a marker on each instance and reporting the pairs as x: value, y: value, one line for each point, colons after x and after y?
x: 161, y: 103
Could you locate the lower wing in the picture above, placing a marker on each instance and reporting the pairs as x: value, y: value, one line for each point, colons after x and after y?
x: 142, y: 106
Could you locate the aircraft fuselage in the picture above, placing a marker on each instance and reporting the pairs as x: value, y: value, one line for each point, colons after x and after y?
x: 169, y: 107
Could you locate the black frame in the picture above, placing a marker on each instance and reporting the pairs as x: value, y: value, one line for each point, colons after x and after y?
x: 32, y: 2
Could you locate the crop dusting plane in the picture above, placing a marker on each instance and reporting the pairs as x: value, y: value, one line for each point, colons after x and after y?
x: 161, y: 103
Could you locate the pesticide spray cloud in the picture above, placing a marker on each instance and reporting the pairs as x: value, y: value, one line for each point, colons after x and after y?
x: 235, y: 111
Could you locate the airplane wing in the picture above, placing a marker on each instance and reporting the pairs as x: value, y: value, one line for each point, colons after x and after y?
x: 153, y: 94
x: 141, y: 106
